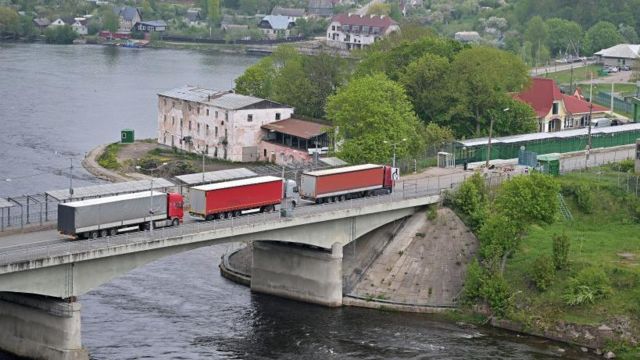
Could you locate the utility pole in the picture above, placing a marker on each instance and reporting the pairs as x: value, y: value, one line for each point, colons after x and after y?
x: 588, y: 150
x: 151, y: 206
x: 70, y: 178
x: 489, y: 142
x: 203, y: 152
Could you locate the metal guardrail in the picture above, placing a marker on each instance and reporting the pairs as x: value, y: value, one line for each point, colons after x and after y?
x: 405, y: 190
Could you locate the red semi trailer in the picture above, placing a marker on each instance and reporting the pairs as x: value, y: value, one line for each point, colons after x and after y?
x: 346, y: 183
x: 230, y: 198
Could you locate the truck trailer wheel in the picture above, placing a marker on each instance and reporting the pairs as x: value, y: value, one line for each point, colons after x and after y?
x: 175, y: 222
x: 93, y: 235
x: 113, y: 232
x: 103, y: 233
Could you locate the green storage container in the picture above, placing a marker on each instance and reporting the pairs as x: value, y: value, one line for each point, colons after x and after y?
x: 550, y: 163
x: 127, y: 136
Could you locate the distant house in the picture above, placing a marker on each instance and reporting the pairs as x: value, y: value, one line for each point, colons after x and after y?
x: 79, y: 25
x: 58, y: 22
x: 128, y: 17
x: 322, y: 8
x: 290, y: 12
x: 350, y: 31
x: 41, y: 23
x: 274, y: 26
x: 556, y: 111
x: 467, y: 36
x: 151, y: 26
x: 194, y: 16
x: 294, y: 141
x: 619, y: 55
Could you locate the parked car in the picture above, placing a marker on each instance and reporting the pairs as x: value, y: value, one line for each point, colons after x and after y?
x: 625, y: 68
x: 613, y: 69
x: 600, y: 122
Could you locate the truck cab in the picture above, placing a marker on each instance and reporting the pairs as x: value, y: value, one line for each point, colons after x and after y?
x: 175, y: 209
x: 388, y: 179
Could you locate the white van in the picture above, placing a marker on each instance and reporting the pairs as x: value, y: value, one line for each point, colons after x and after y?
x: 600, y: 122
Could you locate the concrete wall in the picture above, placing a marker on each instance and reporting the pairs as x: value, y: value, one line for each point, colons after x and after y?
x: 41, y: 328
x: 297, y: 272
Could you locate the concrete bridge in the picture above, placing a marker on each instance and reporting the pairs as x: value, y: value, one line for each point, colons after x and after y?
x: 298, y: 256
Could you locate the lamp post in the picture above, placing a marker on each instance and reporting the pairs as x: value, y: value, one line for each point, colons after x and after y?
x: 489, y: 142
x: 138, y: 167
x: 393, y: 164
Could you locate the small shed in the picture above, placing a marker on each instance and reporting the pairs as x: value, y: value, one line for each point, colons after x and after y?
x: 549, y: 163
x: 127, y: 136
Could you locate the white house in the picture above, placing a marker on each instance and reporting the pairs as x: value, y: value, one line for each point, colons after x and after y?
x: 221, y: 124
x: 350, y: 31
x: 274, y: 26
x: 619, y: 55
x: 58, y: 22
x: 80, y: 26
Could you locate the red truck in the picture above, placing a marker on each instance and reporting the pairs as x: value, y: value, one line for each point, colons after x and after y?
x: 226, y: 199
x: 346, y: 183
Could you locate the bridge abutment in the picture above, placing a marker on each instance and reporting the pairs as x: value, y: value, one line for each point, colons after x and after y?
x: 298, y: 272
x: 40, y: 327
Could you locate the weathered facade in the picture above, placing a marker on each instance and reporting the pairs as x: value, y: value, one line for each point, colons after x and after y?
x: 294, y: 141
x: 221, y: 124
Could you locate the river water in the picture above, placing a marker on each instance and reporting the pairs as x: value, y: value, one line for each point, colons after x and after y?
x: 58, y: 102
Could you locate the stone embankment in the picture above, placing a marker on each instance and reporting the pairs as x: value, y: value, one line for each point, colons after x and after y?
x: 415, y: 265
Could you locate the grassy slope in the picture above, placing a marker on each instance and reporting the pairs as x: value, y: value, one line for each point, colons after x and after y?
x: 579, y: 74
x: 596, y: 238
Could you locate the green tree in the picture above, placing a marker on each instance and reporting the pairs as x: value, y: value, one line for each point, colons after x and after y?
x: 561, y: 246
x: 213, y: 11
x: 425, y: 81
x: 520, y: 118
x: 110, y: 21
x: 628, y: 33
x: 63, y: 34
x: 536, y: 33
x: 601, y: 36
x: 248, y: 6
x: 543, y: 272
x: 292, y: 87
x: 480, y: 77
x: 528, y: 199
x: 499, y: 237
x: 435, y: 135
x: 326, y: 73
x: 369, y: 111
x: 257, y: 79
x: 9, y: 21
x: 379, y: 9
x: 564, y: 36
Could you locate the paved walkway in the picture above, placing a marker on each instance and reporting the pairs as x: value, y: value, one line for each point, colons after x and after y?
x: 424, y: 265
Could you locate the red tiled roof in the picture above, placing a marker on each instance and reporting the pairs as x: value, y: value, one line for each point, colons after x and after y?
x: 296, y: 127
x: 365, y: 20
x: 543, y: 92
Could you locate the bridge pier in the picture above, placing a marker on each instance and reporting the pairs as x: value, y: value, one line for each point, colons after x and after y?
x: 298, y: 272
x: 40, y: 327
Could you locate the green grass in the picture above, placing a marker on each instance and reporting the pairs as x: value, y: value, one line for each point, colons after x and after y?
x: 623, y: 89
x: 109, y: 158
x: 596, y: 240
x: 579, y: 74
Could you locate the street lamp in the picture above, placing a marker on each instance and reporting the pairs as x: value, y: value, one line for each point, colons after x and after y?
x: 489, y: 142
x: 394, y: 149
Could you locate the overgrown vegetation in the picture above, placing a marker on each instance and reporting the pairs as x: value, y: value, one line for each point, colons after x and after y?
x: 109, y: 158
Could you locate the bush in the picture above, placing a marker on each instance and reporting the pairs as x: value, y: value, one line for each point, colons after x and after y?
x: 584, y: 198
x: 561, y: 245
x: 587, y: 286
x: 60, y: 34
x: 543, y: 272
x: 471, y: 199
x: 472, y: 283
x: 432, y: 213
x: 497, y: 293
x: 108, y: 159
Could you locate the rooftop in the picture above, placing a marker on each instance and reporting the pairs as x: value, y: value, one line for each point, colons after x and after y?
x: 153, y: 23
x: 222, y: 99
x: 624, y: 51
x: 234, y: 183
x: 278, y: 22
x: 295, y: 127
x: 343, y: 169
x: 543, y: 92
x: 364, y: 20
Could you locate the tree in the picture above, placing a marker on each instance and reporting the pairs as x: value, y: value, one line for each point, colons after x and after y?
x: 257, y: 79
x: 564, y: 36
x: 213, y: 11
x: 369, y: 111
x: 629, y: 33
x: 537, y: 34
x: 519, y: 119
x: 292, y: 87
x: 379, y: 9
x: 499, y: 237
x: 528, y: 199
x: 327, y: 73
x: 9, y: 21
x: 248, y: 6
x: 110, y: 21
x: 479, y: 79
x: 425, y: 81
x: 435, y: 135
x: 601, y: 36
x: 63, y: 34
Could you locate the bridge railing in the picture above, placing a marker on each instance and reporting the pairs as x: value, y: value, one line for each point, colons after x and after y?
x: 406, y: 189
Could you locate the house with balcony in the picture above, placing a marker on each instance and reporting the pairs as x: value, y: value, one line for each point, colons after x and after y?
x: 220, y: 124
x: 351, y: 31
x: 294, y: 141
x: 556, y: 111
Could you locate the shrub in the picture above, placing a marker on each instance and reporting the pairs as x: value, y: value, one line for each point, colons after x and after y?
x: 561, y: 245
x: 63, y: 34
x: 108, y: 159
x: 586, y: 287
x: 584, y: 198
x: 471, y: 199
x: 543, y: 272
x: 432, y: 213
x: 472, y: 283
x: 497, y: 293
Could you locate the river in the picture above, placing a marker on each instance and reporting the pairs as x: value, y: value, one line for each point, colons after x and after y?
x: 58, y: 102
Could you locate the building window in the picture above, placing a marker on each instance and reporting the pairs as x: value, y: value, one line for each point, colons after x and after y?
x: 365, y: 29
x: 226, y: 116
x: 207, y: 112
x: 181, y: 123
x: 265, y: 153
x: 216, y: 131
x: 198, y: 110
x: 556, y: 106
x: 225, y: 133
x: 189, y: 124
x: 165, y: 117
x: 189, y: 107
x: 250, y: 118
x: 333, y: 28
x: 216, y: 114
x: 198, y: 128
x: 207, y: 130
x: 277, y: 116
x: 173, y: 120
x: 222, y: 123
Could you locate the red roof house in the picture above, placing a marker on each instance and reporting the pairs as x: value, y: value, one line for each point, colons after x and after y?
x: 557, y: 111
